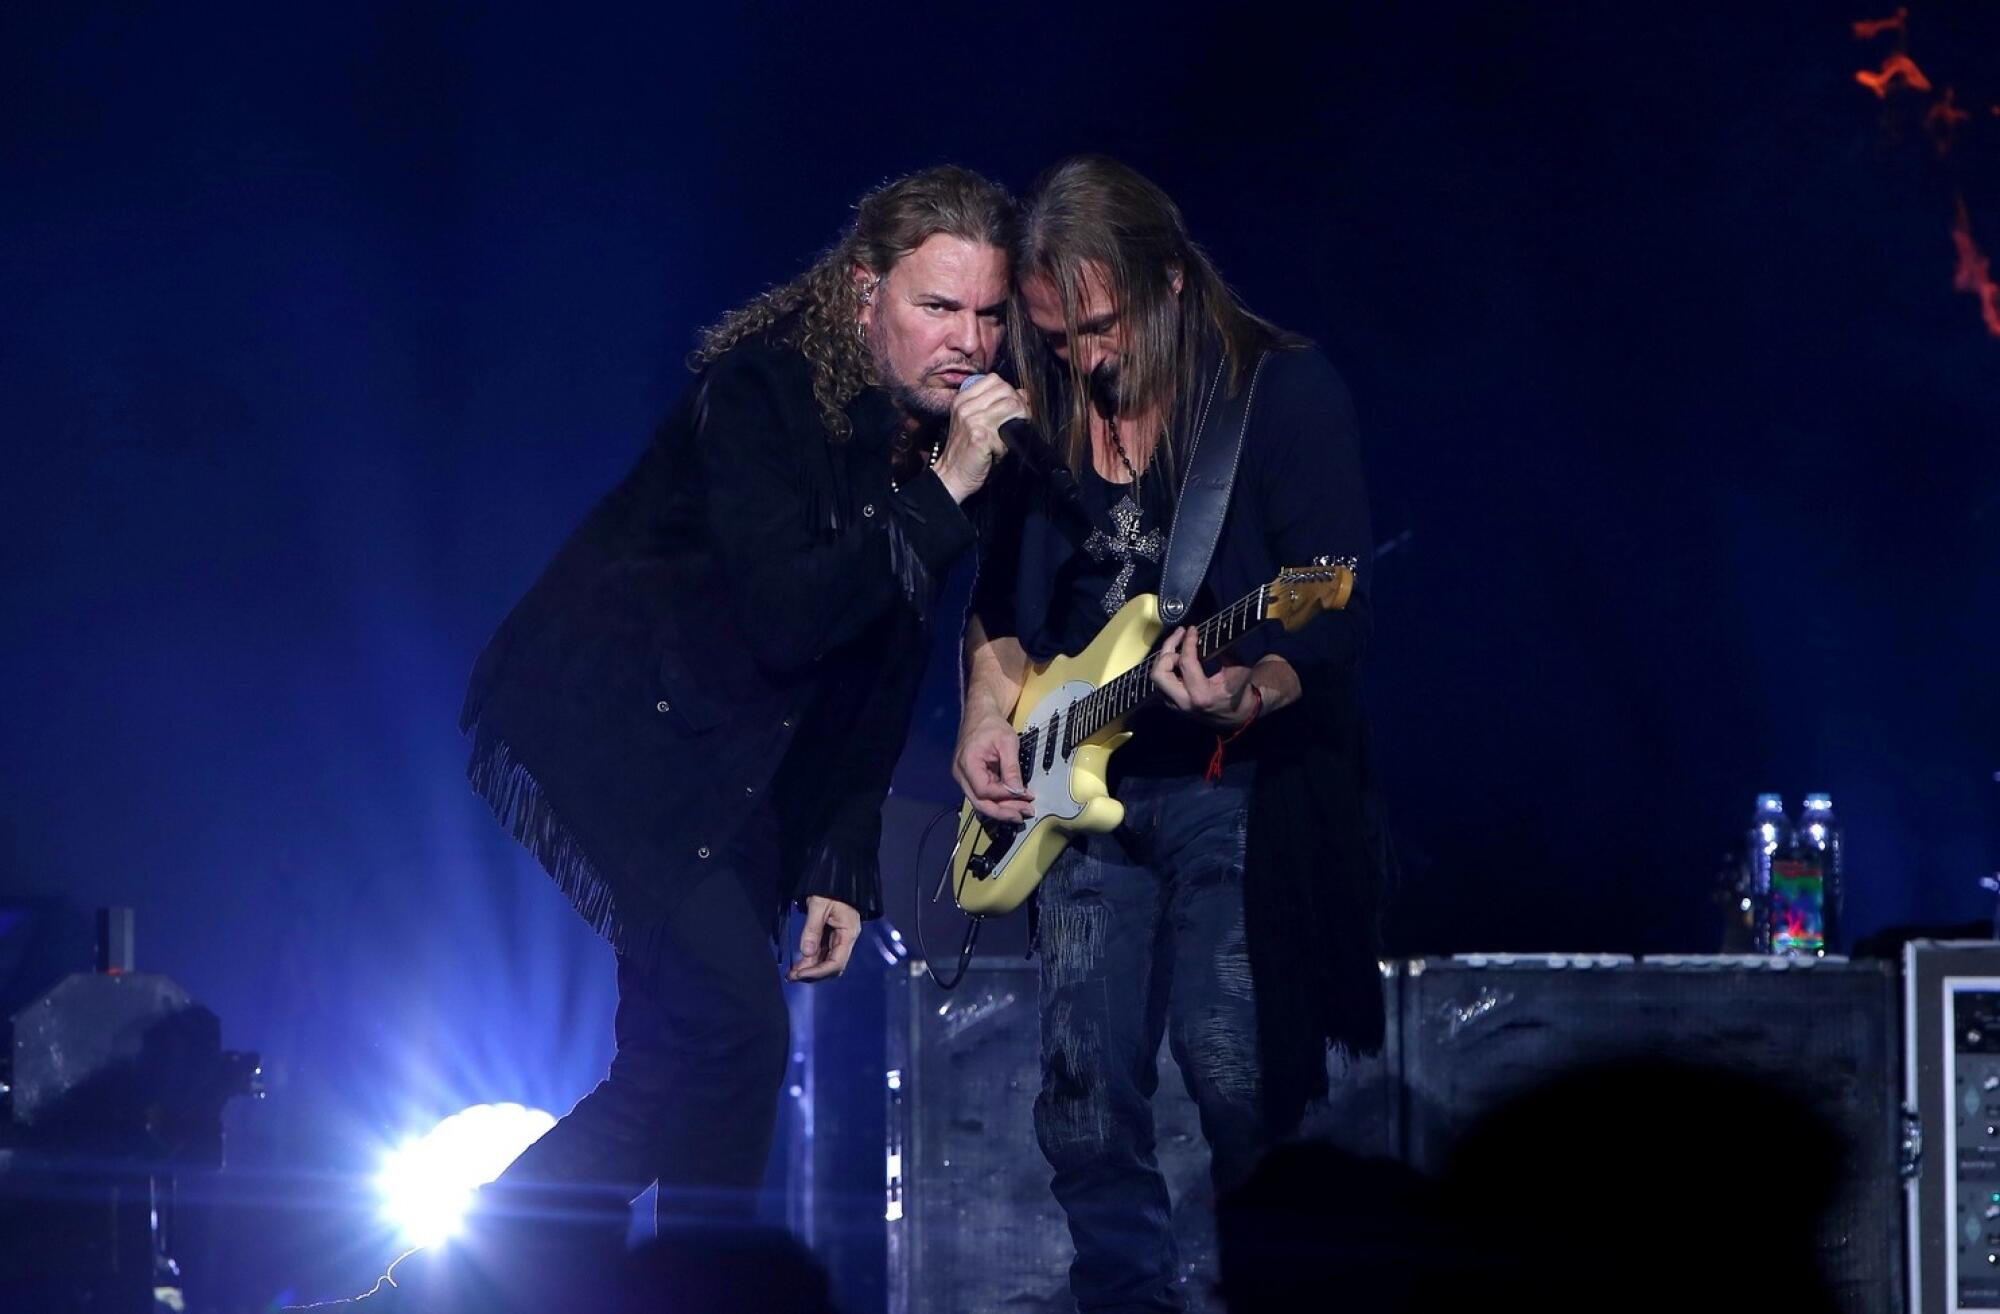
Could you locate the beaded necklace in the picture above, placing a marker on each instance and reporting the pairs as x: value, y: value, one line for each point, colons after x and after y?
x: 937, y: 450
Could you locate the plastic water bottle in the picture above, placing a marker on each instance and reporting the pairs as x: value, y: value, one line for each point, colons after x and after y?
x: 1819, y: 844
x: 1798, y: 904
x: 1770, y: 838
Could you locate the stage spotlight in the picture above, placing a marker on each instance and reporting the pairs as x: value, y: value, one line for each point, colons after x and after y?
x: 427, y: 1183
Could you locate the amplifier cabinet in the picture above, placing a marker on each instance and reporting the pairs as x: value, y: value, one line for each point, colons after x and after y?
x: 972, y: 1226
x: 1478, y: 1030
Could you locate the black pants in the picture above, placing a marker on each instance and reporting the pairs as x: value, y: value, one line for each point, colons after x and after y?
x: 703, y: 1042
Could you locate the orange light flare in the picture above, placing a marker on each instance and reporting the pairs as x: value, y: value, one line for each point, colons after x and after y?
x: 1870, y: 28
x: 1975, y: 272
x: 1941, y: 120
x: 1897, y: 70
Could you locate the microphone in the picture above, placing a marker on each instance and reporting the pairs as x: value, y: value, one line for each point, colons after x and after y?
x: 1032, y: 450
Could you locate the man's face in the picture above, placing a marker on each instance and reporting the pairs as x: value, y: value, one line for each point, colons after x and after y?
x: 936, y: 319
x: 1099, y: 346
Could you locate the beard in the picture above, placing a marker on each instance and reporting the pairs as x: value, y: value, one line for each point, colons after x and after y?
x: 926, y: 401
x: 1107, y: 393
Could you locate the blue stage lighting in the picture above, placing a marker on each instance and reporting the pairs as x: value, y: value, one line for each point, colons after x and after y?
x: 427, y: 1183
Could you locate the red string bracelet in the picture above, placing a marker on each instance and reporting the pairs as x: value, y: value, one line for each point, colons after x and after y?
x: 1214, y: 772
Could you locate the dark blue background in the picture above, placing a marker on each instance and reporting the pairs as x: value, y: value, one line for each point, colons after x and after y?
x: 320, y: 327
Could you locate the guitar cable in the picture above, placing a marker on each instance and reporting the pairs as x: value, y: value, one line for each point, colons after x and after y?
x: 917, y: 898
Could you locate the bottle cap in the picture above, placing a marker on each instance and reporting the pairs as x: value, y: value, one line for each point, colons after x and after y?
x: 1819, y: 802
x: 1770, y: 803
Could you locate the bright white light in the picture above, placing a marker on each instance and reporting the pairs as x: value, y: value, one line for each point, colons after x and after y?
x: 427, y: 1183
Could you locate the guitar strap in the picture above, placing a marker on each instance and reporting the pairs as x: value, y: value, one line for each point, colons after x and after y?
x: 1204, y: 497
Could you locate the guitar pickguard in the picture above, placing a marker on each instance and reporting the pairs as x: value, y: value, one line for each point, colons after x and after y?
x: 1045, y: 766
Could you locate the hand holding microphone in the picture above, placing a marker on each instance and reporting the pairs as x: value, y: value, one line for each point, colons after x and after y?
x: 973, y: 445
x: 995, y: 420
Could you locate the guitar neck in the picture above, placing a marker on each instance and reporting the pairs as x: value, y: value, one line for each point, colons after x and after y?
x: 1122, y: 695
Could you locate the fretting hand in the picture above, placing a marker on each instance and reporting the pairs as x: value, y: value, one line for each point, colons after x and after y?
x: 1221, y: 700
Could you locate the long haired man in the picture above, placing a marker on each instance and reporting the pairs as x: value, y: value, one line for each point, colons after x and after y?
x: 1234, y: 914
x: 692, y: 716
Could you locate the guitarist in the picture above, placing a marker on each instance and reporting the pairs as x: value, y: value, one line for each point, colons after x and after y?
x: 1235, y: 909
x: 691, y: 718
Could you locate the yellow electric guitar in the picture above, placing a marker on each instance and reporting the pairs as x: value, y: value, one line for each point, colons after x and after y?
x: 1071, y: 716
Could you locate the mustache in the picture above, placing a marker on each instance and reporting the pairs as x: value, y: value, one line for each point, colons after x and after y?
x: 1105, y: 393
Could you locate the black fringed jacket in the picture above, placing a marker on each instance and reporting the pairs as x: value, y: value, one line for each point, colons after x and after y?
x: 740, y: 622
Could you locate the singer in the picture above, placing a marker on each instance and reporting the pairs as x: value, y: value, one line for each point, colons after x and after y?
x: 1235, y: 908
x: 691, y: 718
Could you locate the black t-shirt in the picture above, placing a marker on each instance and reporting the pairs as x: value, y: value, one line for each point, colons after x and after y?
x: 1118, y: 560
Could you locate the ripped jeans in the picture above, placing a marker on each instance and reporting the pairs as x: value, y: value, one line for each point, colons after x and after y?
x: 1141, y: 932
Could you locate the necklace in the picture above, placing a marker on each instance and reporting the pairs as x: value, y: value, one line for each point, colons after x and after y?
x: 1119, y: 443
x: 1131, y: 543
x: 931, y: 460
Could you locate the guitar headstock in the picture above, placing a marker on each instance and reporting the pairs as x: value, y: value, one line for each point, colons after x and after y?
x: 1300, y: 593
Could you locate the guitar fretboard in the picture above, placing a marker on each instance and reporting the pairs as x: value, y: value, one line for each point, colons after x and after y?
x: 1123, y: 694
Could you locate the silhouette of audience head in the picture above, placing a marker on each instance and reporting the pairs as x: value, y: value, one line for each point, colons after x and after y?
x: 1642, y: 1185
x: 1314, y: 1227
